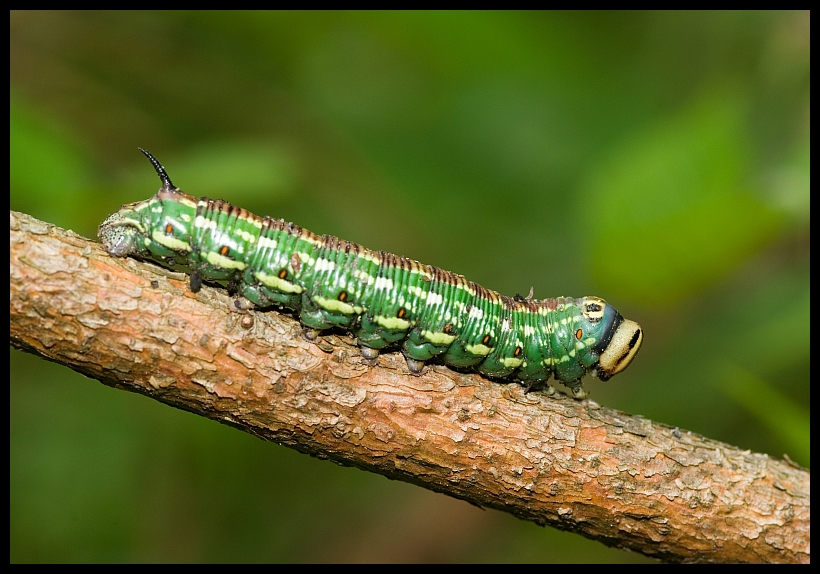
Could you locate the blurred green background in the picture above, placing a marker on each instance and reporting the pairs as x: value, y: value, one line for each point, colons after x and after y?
x: 659, y: 160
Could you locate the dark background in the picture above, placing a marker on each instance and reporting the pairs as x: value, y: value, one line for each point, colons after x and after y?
x: 658, y: 160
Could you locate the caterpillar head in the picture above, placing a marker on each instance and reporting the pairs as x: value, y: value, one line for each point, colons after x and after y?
x: 589, y: 336
x: 618, y: 346
x: 606, y: 342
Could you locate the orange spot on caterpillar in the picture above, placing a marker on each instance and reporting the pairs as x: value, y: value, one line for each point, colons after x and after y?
x: 283, y: 273
x: 578, y: 334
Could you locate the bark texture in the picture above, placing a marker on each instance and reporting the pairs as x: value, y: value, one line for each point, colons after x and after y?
x: 614, y: 477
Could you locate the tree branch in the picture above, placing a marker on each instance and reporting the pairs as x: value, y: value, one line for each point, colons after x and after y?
x: 617, y: 478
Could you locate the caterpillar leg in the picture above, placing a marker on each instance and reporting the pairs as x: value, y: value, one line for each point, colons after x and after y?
x: 578, y: 393
x: 196, y: 281
x: 243, y: 304
x: 369, y: 354
x: 416, y: 367
x: 310, y: 334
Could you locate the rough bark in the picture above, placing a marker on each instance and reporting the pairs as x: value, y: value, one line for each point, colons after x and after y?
x: 614, y: 477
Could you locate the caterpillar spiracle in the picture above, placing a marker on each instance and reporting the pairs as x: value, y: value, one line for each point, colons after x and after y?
x: 383, y: 299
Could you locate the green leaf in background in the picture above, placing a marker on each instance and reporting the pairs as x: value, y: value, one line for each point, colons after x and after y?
x: 669, y: 210
x: 47, y: 170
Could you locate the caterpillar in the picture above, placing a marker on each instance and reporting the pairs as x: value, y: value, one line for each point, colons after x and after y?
x: 383, y: 299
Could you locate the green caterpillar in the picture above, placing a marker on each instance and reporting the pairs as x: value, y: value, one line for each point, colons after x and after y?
x: 383, y: 299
